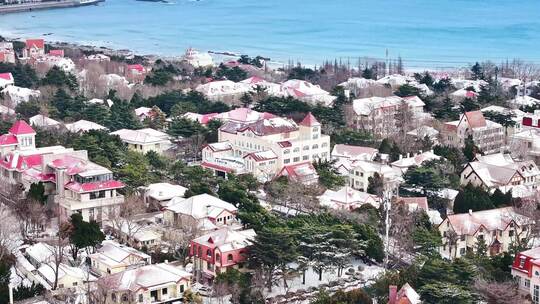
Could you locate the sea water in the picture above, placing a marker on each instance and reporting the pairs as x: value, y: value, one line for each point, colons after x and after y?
x: 425, y: 33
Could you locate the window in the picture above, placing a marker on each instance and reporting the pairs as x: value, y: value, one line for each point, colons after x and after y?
x: 511, y: 233
x: 60, y: 285
x: 164, y: 291
x: 229, y: 257
x: 287, y: 151
x: 315, y: 146
x: 297, y: 149
x: 181, y: 288
x: 462, y: 251
x: 209, y: 253
x: 286, y: 161
x: 306, y: 148
x: 296, y: 159
x: 218, y: 257
x: 141, y: 298
x: 462, y: 238
x: 324, y: 145
x: 305, y: 157
x: 113, y: 297
x: 74, y: 283
x: 521, y: 262
x: 125, y: 297
x: 536, y: 293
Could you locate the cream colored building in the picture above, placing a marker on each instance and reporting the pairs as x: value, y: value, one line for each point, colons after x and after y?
x: 265, y: 146
x: 151, y: 284
x: 489, y: 136
x: 145, y: 140
x: 361, y: 171
x: 112, y: 258
x: 499, y: 228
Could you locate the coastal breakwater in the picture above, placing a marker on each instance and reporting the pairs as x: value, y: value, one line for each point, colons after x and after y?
x: 32, y: 6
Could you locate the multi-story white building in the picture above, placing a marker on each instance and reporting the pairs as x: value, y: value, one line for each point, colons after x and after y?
x: 487, y: 135
x: 377, y: 115
x: 75, y: 183
x: 266, y: 146
x: 498, y: 228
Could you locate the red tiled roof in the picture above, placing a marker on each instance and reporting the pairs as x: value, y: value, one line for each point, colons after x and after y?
x: 59, y: 53
x: 20, y: 128
x: 476, y: 119
x: 262, y: 156
x: 216, y: 167
x: 96, y: 186
x: 137, y: 67
x: 6, y: 76
x: 285, y: 144
x: 421, y: 202
x: 8, y: 139
x: 298, y: 171
x: 38, y: 43
x: 309, y: 121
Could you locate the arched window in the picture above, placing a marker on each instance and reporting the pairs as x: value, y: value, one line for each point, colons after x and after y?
x: 113, y: 297
x: 229, y: 257
x: 315, y: 146
x: 209, y: 252
x: 218, y: 257
x: 125, y: 297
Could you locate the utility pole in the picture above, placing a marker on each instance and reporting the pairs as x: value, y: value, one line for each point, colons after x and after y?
x: 386, y: 202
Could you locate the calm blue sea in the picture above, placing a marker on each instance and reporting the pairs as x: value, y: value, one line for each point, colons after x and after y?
x: 425, y: 33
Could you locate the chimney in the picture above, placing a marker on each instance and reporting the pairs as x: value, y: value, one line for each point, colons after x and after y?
x: 400, y: 156
x: 166, y: 261
x: 470, y: 211
x: 392, y: 294
x: 60, y: 182
x: 420, y: 152
x: 408, y: 155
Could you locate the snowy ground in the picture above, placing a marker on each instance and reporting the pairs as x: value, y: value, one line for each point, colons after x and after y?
x: 367, y: 274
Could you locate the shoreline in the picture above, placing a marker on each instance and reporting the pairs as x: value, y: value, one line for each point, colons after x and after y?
x: 35, y: 6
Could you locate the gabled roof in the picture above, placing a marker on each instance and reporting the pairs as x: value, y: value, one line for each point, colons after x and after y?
x: 37, y: 43
x: 227, y: 239
x: 20, y: 127
x: 270, y: 126
x: 6, y: 76
x: 475, y: 119
x: 219, y: 146
x: 59, y: 53
x: 493, y: 219
x: 414, y: 203
x: 200, y: 206
x: 299, y: 172
x: 262, y: 155
x: 354, y: 152
x: 145, y: 277
x: 8, y: 140
x: 310, y: 121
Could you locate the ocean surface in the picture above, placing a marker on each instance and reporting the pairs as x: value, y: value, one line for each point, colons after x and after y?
x: 425, y: 33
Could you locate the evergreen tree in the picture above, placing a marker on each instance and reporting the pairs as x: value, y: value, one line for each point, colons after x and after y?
x: 472, y: 198
x: 477, y: 71
x: 123, y: 116
x: 37, y: 192
x: 470, y: 150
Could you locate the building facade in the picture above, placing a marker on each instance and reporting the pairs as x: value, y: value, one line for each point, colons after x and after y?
x: 487, y: 135
x: 266, y: 146
x: 497, y: 228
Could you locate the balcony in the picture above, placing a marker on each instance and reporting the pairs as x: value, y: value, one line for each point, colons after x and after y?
x: 75, y: 204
